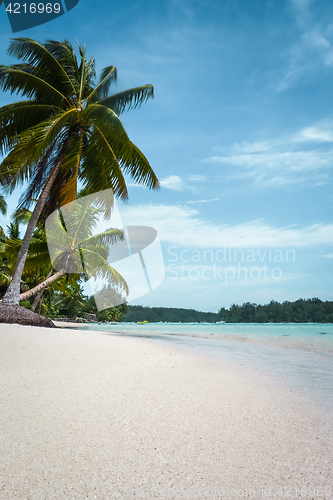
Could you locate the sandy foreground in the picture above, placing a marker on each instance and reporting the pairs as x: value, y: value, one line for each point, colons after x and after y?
x: 91, y: 415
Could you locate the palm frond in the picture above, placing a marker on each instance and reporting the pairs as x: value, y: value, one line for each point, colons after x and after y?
x: 87, y: 74
x: 108, y: 76
x: 108, y: 237
x: 47, y: 66
x: 17, y: 117
x: 65, y: 54
x: 128, y: 99
x: 97, y: 114
x: 138, y: 167
x: 3, y: 205
x: 35, y: 175
x: 24, y: 82
x: 33, y: 143
x: 98, y: 267
x: 66, y: 191
x: 100, y: 168
x: 22, y: 215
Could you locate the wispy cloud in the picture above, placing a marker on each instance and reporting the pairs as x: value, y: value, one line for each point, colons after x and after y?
x: 182, y: 225
x: 320, y: 132
x: 314, y: 47
x: 173, y: 182
x: 202, y: 201
x: 302, y: 157
x: 301, y: 11
x: 197, y: 178
x: 177, y: 183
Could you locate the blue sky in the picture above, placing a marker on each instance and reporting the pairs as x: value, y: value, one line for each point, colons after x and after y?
x: 240, y: 134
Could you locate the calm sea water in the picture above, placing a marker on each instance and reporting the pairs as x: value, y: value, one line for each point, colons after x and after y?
x: 297, y: 356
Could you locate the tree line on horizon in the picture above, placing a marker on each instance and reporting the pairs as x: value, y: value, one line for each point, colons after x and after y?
x: 167, y: 314
x: 300, y: 311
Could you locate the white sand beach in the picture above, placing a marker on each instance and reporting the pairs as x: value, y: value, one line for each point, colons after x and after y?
x: 88, y: 415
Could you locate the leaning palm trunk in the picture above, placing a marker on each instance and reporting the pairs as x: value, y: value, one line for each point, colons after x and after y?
x: 12, y: 296
x: 37, y: 302
x: 29, y: 293
x: 39, y: 297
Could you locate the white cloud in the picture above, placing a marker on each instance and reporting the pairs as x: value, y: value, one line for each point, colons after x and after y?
x: 173, y: 182
x: 274, y: 168
x: 176, y: 183
x: 202, y: 201
x: 197, y: 178
x: 284, y: 160
x: 183, y: 226
x: 320, y: 132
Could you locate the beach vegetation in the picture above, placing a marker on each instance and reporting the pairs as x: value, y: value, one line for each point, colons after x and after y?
x: 66, y: 133
x: 300, y: 311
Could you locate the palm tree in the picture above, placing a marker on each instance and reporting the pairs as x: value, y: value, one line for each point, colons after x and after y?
x: 76, y: 248
x: 67, y: 130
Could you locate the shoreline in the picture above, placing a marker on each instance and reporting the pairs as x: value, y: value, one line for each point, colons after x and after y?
x: 88, y: 414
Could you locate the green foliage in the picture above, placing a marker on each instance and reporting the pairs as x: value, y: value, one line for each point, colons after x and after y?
x: 71, y: 301
x: 170, y: 314
x: 66, y: 131
x: 13, y: 230
x: 112, y: 314
x: 300, y: 311
x: 26, y: 304
x: 3, y: 205
x: 66, y: 117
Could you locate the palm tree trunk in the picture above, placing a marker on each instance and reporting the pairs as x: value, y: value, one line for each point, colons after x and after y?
x: 41, y: 286
x: 39, y: 308
x: 39, y: 296
x: 12, y: 296
x: 38, y: 299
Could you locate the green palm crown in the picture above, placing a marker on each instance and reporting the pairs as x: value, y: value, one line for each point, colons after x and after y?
x: 66, y: 116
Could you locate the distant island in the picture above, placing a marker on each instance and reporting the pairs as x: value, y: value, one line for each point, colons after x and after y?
x: 167, y: 314
x: 301, y: 311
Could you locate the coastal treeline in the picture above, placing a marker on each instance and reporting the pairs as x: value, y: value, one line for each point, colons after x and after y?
x: 301, y: 311
x: 168, y: 314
